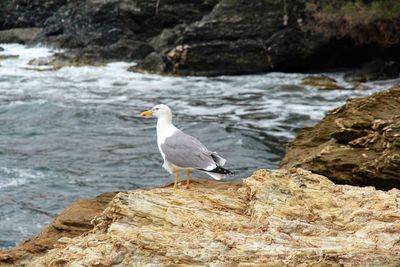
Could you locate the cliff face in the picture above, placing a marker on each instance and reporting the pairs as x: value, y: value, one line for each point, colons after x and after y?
x: 358, y: 143
x: 277, y: 217
x: 215, y: 37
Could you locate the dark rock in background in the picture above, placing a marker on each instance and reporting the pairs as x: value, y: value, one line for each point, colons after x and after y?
x: 374, y: 70
x: 358, y: 143
x: 215, y: 37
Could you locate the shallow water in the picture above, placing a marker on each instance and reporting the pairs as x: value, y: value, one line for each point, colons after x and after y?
x: 76, y: 132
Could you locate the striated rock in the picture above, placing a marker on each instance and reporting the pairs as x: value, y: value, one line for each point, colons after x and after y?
x: 73, y: 221
x: 321, y: 82
x: 275, y: 218
x: 19, y: 35
x: 358, y: 143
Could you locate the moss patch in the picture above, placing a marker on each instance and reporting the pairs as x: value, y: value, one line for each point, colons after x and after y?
x: 357, y: 11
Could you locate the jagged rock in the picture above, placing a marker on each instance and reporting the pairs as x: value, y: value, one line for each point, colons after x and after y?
x: 240, y: 37
x: 27, y: 14
x: 153, y: 63
x: 275, y: 218
x: 73, y: 221
x: 321, y: 82
x: 374, y: 70
x: 19, y: 35
x: 104, y: 23
x: 358, y: 143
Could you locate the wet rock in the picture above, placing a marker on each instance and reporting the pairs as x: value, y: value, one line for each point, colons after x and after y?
x: 19, y: 35
x: 358, y: 143
x: 321, y: 82
x: 27, y: 14
x: 375, y: 70
x: 153, y: 63
x: 274, y: 35
x: 73, y: 221
x: 1, y: 49
x: 4, y: 57
x: 103, y: 23
x: 275, y: 218
x: 61, y: 60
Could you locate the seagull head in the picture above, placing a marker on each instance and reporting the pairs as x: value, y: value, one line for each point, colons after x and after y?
x: 158, y: 111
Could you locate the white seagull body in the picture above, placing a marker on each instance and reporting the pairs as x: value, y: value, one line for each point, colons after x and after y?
x: 182, y: 151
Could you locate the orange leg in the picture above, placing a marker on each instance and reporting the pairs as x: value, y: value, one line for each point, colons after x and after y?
x: 187, y: 178
x: 176, y: 178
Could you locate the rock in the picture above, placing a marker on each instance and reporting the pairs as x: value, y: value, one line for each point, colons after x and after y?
x: 73, y: 221
x: 277, y: 35
x: 358, y: 143
x: 321, y: 82
x: 61, y: 60
x: 27, y: 14
x: 275, y: 218
x: 4, y: 57
x: 1, y: 49
x: 153, y: 63
x: 18, y: 35
x: 374, y: 70
x: 103, y: 23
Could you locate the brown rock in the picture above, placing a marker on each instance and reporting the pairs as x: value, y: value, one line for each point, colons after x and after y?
x: 73, y: 221
x: 275, y: 218
x: 4, y: 57
x: 321, y: 82
x: 358, y: 143
x: 61, y: 60
x: 19, y: 35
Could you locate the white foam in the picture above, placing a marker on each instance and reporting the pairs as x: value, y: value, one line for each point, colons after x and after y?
x: 11, y: 177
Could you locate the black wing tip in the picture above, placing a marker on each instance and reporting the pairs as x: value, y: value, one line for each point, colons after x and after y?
x: 221, y: 170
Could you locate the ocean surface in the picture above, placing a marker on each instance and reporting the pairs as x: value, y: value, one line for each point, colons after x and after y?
x: 76, y: 132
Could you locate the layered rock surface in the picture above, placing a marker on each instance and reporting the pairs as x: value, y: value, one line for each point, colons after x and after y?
x: 358, y: 143
x: 73, y: 221
x: 275, y: 218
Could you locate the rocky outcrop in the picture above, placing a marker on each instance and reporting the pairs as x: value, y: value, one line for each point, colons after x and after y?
x: 73, y: 221
x: 240, y: 37
x: 321, y: 82
x: 20, y: 35
x: 215, y: 37
x: 374, y: 70
x: 358, y: 143
x: 118, y: 30
x: 275, y: 218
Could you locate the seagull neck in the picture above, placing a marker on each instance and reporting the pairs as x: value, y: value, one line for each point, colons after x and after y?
x: 164, y: 121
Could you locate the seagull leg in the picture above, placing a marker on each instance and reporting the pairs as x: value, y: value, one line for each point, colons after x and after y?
x: 187, y: 178
x: 176, y: 177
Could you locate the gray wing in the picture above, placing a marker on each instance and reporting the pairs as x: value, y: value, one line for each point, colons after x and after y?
x: 186, y: 151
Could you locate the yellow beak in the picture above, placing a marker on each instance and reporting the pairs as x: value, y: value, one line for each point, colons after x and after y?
x: 146, y: 113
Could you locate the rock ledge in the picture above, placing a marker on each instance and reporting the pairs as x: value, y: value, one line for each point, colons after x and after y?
x: 282, y: 217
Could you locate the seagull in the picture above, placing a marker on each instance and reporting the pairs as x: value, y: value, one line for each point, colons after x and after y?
x: 182, y: 151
